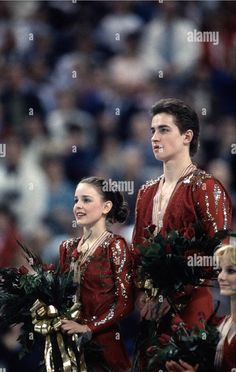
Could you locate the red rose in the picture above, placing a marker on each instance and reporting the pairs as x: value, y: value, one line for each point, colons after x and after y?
x: 152, y: 228
x: 75, y: 254
x: 191, y: 253
x: 188, y: 289
x: 149, y: 231
x: 145, y: 244
x: 146, y: 233
x: 168, y: 249
x: 23, y: 270
x: 151, y: 349
x: 188, y: 327
x: 202, y: 319
x: 174, y: 328
x: 48, y: 267
x: 189, y: 233
x: 164, y: 339
x: 176, y: 320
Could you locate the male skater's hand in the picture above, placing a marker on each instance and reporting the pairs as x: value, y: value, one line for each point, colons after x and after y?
x: 150, y: 309
x: 180, y: 367
x: 71, y: 327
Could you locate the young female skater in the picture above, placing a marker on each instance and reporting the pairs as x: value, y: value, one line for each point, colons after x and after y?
x: 225, y: 358
x: 103, y: 269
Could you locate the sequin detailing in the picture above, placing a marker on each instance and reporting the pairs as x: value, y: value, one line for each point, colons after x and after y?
x: 212, y: 209
x: 114, y: 256
x: 198, y: 179
x: 119, y: 259
x: 128, y: 277
x: 225, y: 212
x: 150, y: 183
x: 109, y: 316
x: 123, y: 290
x: 187, y: 179
x: 217, y: 195
x: 116, y: 252
x: 208, y: 213
x: 69, y: 243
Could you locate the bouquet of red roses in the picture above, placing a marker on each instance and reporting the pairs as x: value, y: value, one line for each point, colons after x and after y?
x: 172, y: 263
x: 194, y: 345
x: 170, y: 267
x: 39, y: 299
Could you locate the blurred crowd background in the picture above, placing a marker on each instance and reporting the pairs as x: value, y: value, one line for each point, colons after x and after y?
x: 77, y: 81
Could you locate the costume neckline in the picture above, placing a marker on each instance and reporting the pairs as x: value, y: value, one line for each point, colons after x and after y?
x: 158, y: 211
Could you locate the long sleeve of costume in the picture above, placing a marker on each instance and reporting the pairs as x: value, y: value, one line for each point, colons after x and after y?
x: 143, y: 211
x: 137, y: 224
x: 213, y: 211
x: 121, y: 266
x: 213, y: 205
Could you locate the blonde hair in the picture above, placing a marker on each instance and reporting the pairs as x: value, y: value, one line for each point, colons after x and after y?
x: 228, y: 251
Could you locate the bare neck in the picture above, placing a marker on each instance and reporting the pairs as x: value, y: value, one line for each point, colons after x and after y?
x: 233, y: 307
x: 93, y: 232
x: 175, y: 168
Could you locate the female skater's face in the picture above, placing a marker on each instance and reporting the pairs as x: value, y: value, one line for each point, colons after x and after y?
x: 89, y: 207
x: 167, y: 141
x: 227, y: 277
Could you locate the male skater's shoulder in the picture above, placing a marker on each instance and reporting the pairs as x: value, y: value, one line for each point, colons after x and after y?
x: 212, y: 201
x: 149, y: 185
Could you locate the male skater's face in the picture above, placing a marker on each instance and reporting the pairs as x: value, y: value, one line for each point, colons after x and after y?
x: 167, y: 142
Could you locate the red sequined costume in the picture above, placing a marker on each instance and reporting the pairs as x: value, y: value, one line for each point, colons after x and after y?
x: 106, y: 294
x: 228, y: 356
x: 198, y: 198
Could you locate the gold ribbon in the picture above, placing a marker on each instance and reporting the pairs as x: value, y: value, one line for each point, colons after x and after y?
x: 83, y: 367
x: 46, y: 320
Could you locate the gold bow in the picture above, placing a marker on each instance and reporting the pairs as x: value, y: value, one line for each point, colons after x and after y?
x: 47, y: 320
